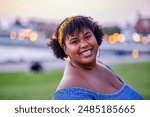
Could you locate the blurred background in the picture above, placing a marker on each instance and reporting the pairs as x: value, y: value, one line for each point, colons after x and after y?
x: 28, y: 68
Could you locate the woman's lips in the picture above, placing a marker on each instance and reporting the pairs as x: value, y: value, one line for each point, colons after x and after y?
x: 86, y: 53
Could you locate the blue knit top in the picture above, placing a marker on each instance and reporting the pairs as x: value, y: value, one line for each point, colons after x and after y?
x: 77, y: 93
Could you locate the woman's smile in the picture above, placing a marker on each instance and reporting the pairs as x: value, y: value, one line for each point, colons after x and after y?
x: 86, y: 53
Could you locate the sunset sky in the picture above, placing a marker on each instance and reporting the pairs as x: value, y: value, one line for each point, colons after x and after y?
x: 101, y: 10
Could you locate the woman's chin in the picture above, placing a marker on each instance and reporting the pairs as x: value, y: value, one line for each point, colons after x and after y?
x: 89, y: 60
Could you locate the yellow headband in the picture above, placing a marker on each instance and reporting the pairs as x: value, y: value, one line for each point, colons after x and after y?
x: 61, y: 28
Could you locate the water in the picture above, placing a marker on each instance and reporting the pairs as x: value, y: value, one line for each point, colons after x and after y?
x: 20, y: 58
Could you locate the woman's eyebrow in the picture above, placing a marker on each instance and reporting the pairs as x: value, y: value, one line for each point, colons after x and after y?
x: 73, y: 38
x: 88, y: 32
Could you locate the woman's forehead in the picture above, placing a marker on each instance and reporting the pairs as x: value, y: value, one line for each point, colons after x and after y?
x: 77, y: 32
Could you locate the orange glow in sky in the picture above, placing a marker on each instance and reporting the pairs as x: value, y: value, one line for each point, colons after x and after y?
x: 102, y: 10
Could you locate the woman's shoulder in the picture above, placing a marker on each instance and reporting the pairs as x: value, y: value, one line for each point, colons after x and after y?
x: 70, y: 89
x: 67, y: 81
x: 70, y: 78
x: 103, y: 65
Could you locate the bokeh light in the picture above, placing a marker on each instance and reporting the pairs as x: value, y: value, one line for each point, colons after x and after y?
x: 13, y: 35
x: 21, y: 35
x: 112, y: 39
x: 27, y: 32
x: 144, y: 40
x: 136, y: 37
x: 116, y: 37
x: 33, y: 36
x: 135, y: 53
x: 121, y: 38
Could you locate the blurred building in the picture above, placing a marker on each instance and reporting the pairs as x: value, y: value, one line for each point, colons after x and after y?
x: 33, y: 32
x: 128, y: 30
x: 143, y: 26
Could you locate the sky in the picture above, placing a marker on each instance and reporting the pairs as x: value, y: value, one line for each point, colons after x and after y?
x: 105, y: 11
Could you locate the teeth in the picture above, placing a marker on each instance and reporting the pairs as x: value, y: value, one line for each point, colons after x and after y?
x: 87, y: 53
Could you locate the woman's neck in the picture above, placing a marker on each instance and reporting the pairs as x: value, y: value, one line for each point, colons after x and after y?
x: 83, y: 66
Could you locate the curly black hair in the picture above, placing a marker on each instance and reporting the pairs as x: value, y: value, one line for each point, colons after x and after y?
x: 77, y: 24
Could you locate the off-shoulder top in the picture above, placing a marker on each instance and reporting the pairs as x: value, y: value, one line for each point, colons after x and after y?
x: 77, y: 93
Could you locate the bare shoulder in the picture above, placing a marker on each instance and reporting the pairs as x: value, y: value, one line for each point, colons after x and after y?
x: 69, y: 81
x: 102, y: 65
x: 110, y: 74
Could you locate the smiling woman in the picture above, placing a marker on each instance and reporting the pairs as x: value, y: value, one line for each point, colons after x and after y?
x: 78, y: 38
x: 82, y: 48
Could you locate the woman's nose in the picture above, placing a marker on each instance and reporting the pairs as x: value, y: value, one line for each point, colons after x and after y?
x: 83, y: 44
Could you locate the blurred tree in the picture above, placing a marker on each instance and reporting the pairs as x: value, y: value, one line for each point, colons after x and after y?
x: 112, y: 29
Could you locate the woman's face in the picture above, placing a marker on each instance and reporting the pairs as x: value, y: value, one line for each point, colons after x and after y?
x: 81, y: 48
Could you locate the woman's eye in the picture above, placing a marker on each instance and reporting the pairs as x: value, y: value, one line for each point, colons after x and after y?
x: 74, y: 42
x: 87, y: 37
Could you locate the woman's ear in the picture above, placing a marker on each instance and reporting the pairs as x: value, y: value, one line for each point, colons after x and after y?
x: 65, y: 50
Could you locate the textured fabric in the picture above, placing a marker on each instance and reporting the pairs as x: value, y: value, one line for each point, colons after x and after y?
x: 76, y: 93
